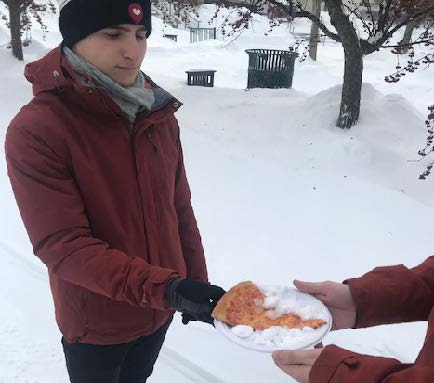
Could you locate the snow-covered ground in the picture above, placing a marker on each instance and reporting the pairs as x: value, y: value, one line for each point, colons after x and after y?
x: 279, y: 193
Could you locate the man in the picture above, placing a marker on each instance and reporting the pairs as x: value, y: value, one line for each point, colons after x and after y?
x: 385, y: 295
x: 96, y: 165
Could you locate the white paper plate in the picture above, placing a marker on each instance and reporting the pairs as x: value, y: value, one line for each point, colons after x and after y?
x: 274, y: 339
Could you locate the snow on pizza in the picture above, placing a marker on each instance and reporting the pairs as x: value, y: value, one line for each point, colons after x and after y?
x: 244, y: 305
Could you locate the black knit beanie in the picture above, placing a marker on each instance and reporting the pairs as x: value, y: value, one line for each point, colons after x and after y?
x: 80, y: 18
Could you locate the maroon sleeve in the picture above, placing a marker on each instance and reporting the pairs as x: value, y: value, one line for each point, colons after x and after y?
x: 336, y: 365
x: 191, y: 241
x: 394, y: 294
x: 54, y: 215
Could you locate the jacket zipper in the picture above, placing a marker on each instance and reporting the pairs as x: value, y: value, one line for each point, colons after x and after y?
x: 155, y: 194
x: 133, y: 151
x: 149, y: 138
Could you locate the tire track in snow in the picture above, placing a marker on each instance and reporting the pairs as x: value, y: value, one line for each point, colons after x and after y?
x: 193, y: 372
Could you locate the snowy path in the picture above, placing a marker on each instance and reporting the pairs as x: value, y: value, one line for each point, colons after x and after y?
x: 26, y: 298
x: 172, y: 364
x: 26, y: 350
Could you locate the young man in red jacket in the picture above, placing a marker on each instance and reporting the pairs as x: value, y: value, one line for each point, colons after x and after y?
x: 96, y: 165
x: 385, y: 295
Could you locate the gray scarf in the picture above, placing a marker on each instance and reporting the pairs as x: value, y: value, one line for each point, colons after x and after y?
x: 131, y: 99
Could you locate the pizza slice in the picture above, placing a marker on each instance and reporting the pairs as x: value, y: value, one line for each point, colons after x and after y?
x: 243, y: 305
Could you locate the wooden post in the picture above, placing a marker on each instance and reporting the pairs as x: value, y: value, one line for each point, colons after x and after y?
x: 314, y: 31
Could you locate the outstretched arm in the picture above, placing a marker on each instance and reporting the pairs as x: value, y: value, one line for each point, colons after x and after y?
x: 394, y: 294
x: 336, y: 365
x: 385, y: 295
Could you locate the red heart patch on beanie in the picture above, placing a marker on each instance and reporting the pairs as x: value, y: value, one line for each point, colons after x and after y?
x: 136, y: 12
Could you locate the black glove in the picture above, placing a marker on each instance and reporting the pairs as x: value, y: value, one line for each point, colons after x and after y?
x: 187, y: 318
x: 194, y: 299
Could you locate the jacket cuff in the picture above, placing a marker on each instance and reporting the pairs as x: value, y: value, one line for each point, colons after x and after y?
x: 154, y: 289
x: 362, y: 299
x: 391, y: 294
x: 169, y: 292
x: 336, y: 365
x: 326, y: 365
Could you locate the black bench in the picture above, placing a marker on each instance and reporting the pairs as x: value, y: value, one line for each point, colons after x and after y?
x: 171, y: 37
x: 200, y: 77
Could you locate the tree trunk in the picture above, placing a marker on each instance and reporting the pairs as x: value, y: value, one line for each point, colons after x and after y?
x: 314, y: 29
x: 15, y: 26
x: 409, y: 28
x: 353, y: 74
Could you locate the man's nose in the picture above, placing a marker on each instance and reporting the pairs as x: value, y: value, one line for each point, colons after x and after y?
x: 131, y: 49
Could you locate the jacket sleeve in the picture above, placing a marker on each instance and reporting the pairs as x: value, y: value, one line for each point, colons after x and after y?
x: 54, y: 215
x: 394, y: 294
x: 189, y: 235
x: 336, y: 365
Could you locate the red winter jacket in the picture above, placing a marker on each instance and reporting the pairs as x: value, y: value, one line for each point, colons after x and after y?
x: 385, y: 295
x: 106, y: 205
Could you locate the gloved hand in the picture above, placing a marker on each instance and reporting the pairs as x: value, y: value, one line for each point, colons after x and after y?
x: 194, y: 299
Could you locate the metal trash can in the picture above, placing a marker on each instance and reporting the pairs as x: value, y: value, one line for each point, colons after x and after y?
x: 270, y: 68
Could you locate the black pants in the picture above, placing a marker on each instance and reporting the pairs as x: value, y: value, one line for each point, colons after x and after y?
x: 118, y: 363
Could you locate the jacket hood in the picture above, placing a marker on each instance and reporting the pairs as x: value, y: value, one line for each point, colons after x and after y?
x: 53, y: 73
x: 47, y: 74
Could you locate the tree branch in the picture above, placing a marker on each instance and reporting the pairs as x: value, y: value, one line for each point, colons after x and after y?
x: 368, y: 47
x: 288, y: 10
x: 409, y: 45
x: 384, y: 16
x: 317, y: 21
x: 356, y: 12
x: 25, y: 4
x: 367, y: 4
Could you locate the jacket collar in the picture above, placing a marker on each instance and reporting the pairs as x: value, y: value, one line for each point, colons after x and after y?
x: 53, y: 73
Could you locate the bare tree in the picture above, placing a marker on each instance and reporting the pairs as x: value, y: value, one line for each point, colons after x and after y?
x: 19, y: 19
x: 429, y: 147
x: 413, y: 64
x: 361, y: 26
